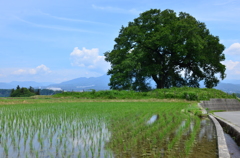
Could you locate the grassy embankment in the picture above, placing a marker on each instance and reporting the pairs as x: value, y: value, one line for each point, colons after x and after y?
x: 186, y: 93
x: 172, y: 94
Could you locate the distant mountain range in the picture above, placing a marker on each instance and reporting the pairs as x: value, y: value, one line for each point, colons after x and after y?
x: 228, y: 87
x: 78, y: 84
x: 100, y: 83
x: 83, y: 83
x: 231, y: 81
x: 26, y: 84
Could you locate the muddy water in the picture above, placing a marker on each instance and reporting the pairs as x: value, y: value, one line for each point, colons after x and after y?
x: 206, y: 143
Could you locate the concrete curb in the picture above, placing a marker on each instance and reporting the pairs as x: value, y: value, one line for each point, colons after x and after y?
x: 222, y: 145
x: 232, y: 129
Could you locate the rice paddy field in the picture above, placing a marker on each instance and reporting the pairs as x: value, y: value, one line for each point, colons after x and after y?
x: 101, y: 129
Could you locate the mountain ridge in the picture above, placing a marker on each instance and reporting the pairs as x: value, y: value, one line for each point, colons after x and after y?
x: 98, y: 83
x: 83, y: 83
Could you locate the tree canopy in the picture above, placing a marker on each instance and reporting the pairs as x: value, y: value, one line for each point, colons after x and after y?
x: 23, y: 92
x: 172, y: 50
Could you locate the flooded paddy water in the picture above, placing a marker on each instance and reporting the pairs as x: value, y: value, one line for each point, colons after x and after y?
x: 206, y: 141
x: 104, y: 130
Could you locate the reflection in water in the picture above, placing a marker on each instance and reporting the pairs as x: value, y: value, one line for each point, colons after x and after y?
x: 153, y: 119
x: 206, y: 143
x: 207, y: 130
x: 66, y: 138
x: 92, y: 142
x: 233, y: 148
x: 86, y: 137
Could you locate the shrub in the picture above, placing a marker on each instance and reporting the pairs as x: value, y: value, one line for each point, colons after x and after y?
x: 193, y: 96
x: 190, y: 96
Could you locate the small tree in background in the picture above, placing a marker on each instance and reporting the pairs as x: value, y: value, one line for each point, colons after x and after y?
x: 31, y: 89
x: 22, y: 92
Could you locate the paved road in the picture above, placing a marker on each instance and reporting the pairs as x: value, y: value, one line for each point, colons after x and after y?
x: 232, y: 117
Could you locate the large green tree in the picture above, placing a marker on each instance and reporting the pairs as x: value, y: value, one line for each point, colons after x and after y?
x: 173, y: 50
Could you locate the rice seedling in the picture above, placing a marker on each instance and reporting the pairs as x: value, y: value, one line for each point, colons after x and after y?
x: 94, y: 129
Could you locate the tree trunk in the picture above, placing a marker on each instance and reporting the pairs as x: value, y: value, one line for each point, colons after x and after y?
x: 159, y: 82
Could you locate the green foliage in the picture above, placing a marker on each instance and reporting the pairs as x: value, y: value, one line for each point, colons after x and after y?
x: 24, y: 92
x: 195, y: 110
x: 8, y: 92
x: 31, y: 89
x: 190, y: 96
x: 188, y: 93
x: 161, y: 45
x: 93, y: 91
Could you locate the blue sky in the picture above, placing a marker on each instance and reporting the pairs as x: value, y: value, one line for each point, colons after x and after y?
x: 59, y: 40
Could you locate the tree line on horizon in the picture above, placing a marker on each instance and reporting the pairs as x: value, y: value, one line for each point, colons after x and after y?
x: 24, y: 92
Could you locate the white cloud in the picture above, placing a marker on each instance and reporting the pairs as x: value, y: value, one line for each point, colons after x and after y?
x: 41, y: 69
x: 89, y: 58
x: 230, y: 65
x: 32, y: 71
x: 232, y: 69
x: 234, y: 49
x: 19, y: 72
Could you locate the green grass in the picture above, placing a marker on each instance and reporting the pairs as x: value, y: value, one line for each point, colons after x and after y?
x: 86, y: 129
x: 187, y: 93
